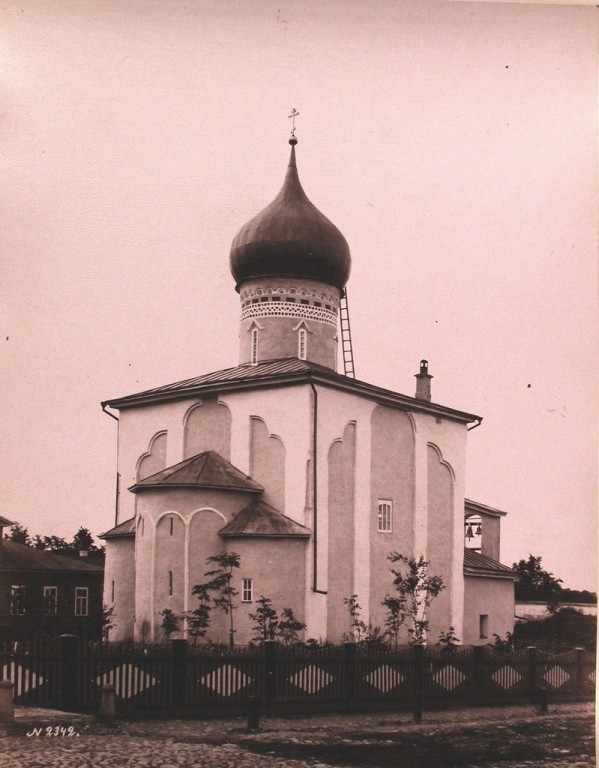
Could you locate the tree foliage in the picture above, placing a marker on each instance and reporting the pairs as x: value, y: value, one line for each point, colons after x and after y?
x: 416, y: 590
x: 198, y: 620
x: 563, y: 630
x: 82, y: 541
x: 220, y: 586
x: 107, y: 621
x: 289, y: 627
x: 170, y: 622
x: 533, y: 582
x: 359, y: 628
x: 266, y: 620
x: 19, y: 534
x: 268, y: 625
x: 395, y: 616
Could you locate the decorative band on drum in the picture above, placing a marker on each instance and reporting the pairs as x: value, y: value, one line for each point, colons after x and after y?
x: 287, y: 309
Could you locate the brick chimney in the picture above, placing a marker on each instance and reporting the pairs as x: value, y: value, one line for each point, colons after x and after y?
x: 423, y: 382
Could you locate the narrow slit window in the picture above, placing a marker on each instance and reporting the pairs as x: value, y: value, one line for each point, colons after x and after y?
x: 302, y: 344
x: 171, y: 522
x: 170, y: 582
x: 254, y: 348
x: 483, y: 622
x: 112, y: 592
x: 385, y: 516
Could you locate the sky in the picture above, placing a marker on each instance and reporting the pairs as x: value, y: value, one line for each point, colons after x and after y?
x: 453, y: 143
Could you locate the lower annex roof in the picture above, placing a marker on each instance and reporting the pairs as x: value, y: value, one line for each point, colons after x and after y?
x: 476, y: 564
x: 285, y: 372
x: 20, y: 557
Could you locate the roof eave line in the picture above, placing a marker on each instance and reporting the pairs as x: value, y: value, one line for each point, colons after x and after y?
x: 167, y: 486
x: 290, y: 379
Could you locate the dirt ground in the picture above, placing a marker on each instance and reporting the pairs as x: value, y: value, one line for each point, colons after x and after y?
x: 501, y: 737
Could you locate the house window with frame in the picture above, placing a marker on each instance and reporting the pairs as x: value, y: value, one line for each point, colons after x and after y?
x: 302, y: 344
x: 81, y: 601
x: 17, y: 600
x: 247, y: 590
x: 385, y: 516
x: 254, y: 347
x: 51, y: 601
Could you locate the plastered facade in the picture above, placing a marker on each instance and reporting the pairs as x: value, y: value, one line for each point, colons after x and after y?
x: 365, y: 452
x: 493, y: 598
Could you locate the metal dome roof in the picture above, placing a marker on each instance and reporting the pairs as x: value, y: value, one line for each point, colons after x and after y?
x: 291, y: 238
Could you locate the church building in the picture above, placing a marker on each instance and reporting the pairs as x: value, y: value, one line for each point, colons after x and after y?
x: 311, y: 476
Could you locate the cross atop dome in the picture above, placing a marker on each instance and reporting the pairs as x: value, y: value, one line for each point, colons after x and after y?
x: 293, y: 115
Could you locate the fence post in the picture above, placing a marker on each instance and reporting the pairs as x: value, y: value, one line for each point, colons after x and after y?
x: 479, y: 656
x: 532, y: 672
x: 7, y: 701
x: 179, y: 671
x: 349, y: 656
x: 579, y: 671
x: 107, y: 705
x: 69, y: 646
x: 270, y: 670
x: 418, y: 651
x: 254, y: 713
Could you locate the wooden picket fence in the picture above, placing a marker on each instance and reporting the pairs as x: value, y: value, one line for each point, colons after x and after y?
x: 69, y: 675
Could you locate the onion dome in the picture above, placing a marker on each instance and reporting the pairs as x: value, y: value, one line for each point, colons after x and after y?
x: 291, y: 238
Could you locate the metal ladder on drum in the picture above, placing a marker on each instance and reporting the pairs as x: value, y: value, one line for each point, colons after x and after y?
x: 346, y: 346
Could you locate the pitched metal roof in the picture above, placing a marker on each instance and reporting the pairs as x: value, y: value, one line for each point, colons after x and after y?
x: 260, y: 519
x: 126, y: 528
x: 206, y: 470
x: 278, y: 373
x: 475, y: 507
x: 20, y: 557
x: 476, y: 564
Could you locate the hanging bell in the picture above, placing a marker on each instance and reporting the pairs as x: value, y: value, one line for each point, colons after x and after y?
x: 469, y: 534
x: 479, y: 530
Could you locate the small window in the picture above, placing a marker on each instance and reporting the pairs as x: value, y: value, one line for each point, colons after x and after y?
x: 254, y: 348
x: 385, y: 516
x: 264, y: 298
x: 247, y: 590
x: 170, y: 582
x: 112, y: 591
x: 51, y: 601
x: 275, y: 298
x: 304, y: 301
x: 17, y: 600
x: 318, y: 304
x: 255, y: 301
x: 171, y: 522
x: 483, y: 622
x: 290, y: 298
x: 81, y: 601
x: 302, y: 344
